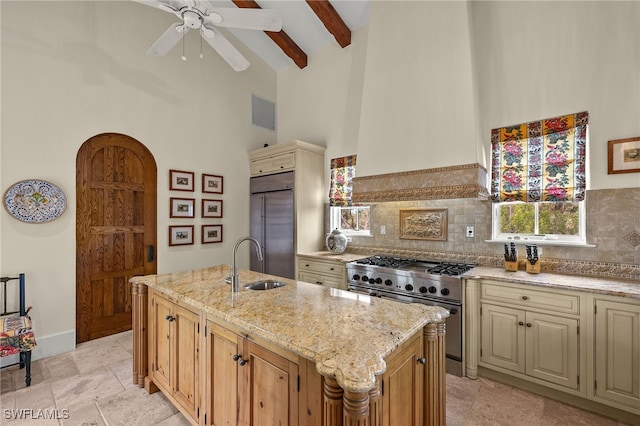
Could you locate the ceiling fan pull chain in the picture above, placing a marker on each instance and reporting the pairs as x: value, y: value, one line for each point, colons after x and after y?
x: 184, y: 58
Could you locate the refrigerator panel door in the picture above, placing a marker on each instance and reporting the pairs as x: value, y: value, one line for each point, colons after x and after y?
x: 256, y: 228
x: 279, y: 234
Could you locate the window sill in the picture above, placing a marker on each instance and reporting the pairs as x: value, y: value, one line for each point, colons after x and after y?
x: 540, y: 242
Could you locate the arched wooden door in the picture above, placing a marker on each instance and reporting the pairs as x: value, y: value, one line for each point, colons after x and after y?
x: 115, y: 230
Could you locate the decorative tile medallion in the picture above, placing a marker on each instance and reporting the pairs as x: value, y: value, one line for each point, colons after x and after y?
x: 633, y: 238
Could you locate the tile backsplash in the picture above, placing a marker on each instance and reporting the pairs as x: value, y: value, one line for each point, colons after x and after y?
x: 613, y: 226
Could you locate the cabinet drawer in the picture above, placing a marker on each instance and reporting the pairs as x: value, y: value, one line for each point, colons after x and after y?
x: 277, y: 163
x: 325, y: 268
x: 531, y: 298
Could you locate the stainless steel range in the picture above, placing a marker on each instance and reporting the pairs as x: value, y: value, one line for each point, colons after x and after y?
x: 416, y: 281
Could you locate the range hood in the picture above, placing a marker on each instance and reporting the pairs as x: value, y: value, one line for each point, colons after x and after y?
x: 463, y: 181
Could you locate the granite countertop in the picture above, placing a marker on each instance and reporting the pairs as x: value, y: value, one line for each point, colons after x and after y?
x: 347, y: 335
x: 344, y: 257
x: 607, y: 286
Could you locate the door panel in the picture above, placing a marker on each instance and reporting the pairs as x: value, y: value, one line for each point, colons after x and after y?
x: 503, y: 337
x: 552, y: 349
x: 115, y: 223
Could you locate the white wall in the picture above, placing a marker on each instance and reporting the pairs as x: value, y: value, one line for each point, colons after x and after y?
x: 543, y: 59
x: 76, y: 69
x: 437, y: 76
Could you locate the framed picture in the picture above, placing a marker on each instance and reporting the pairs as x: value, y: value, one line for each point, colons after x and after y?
x: 211, y: 234
x: 423, y: 224
x: 624, y: 156
x: 182, y: 207
x: 180, y: 235
x: 180, y: 180
x: 211, y: 208
x: 212, y: 184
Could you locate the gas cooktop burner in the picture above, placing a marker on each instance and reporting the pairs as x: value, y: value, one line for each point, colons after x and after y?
x: 429, y: 267
x: 385, y: 261
x: 449, y: 269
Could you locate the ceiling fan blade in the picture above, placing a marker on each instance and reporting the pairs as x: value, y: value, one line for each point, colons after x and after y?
x: 165, y: 43
x: 172, y: 6
x: 250, y: 19
x: 225, y: 49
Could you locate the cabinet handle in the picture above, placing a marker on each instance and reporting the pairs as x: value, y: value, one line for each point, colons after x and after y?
x: 331, y: 269
x: 422, y: 361
x: 525, y: 297
x: 520, y: 323
x: 528, y: 324
x: 236, y: 357
x: 170, y: 318
x: 243, y: 361
x: 307, y: 265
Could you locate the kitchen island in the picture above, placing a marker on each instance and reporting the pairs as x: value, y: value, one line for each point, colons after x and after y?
x: 298, y: 354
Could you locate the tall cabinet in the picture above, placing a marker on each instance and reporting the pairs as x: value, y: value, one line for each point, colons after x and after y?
x: 306, y: 161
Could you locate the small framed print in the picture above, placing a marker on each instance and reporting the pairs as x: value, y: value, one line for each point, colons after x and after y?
x: 212, y: 184
x: 211, y: 234
x: 182, y: 207
x: 180, y: 180
x: 180, y: 235
x: 211, y: 208
x: 624, y: 156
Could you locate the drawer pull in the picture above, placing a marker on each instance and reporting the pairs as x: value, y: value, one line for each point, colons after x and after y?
x: 520, y: 323
x: 525, y: 297
x: 528, y: 324
x: 307, y: 265
x: 332, y: 269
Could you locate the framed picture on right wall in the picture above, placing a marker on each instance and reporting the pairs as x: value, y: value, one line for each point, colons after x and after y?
x: 624, y: 156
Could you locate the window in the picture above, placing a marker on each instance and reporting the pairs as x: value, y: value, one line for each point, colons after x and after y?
x: 351, y: 220
x: 538, y: 180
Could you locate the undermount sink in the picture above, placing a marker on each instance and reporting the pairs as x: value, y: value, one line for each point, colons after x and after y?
x: 264, y: 285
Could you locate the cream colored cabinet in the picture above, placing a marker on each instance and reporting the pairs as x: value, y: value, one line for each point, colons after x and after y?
x: 249, y: 384
x: 531, y: 332
x: 307, y: 162
x: 174, y: 353
x: 273, y: 164
x: 617, y: 353
x: 330, y: 273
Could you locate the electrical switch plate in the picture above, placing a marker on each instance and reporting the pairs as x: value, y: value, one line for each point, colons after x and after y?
x: 383, y: 230
x: 470, y: 232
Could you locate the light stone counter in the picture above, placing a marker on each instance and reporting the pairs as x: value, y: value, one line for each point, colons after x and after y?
x: 347, y: 335
x: 611, y: 287
x: 344, y: 257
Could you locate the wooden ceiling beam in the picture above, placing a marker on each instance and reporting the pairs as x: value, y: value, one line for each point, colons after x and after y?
x: 282, y: 39
x: 332, y: 21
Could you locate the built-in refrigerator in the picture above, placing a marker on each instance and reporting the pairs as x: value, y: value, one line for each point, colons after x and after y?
x: 273, y: 223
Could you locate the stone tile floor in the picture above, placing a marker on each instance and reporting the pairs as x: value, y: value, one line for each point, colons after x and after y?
x: 92, y: 386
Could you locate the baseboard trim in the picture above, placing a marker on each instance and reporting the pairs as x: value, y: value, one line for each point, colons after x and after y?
x: 54, y: 344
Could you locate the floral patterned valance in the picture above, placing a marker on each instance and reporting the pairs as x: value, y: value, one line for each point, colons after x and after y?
x: 343, y: 170
x: 540, y: 161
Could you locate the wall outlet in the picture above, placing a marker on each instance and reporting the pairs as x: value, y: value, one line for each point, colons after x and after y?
x: 383, y: 230
x: 470, y: 232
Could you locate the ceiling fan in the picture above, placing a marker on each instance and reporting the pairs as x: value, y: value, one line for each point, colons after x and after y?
x: 202, y: 15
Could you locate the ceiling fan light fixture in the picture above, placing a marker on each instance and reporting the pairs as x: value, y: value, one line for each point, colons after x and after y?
x: 214, y: 18
x: 192, y: 19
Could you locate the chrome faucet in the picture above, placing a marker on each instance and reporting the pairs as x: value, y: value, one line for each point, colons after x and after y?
x: 233, y: 273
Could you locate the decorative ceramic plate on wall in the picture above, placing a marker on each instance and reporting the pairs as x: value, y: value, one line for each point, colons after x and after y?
x: 35, y: 201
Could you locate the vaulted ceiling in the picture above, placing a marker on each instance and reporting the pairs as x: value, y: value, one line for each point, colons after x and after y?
x: 307, y: 27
